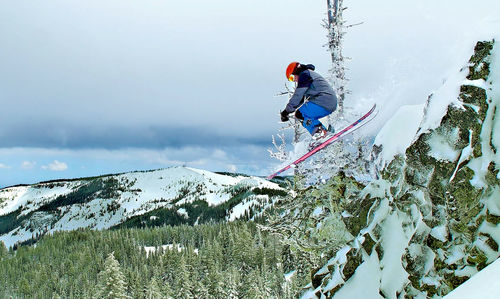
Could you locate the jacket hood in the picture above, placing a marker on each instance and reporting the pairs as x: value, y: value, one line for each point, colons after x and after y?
x: 304, y: 67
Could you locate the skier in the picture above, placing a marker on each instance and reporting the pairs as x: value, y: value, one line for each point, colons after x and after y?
x: 313, y: 98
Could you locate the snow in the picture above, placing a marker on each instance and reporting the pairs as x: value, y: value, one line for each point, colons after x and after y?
x: 379, y: 214
x: 492, y: 202
x: 440, y: 147
x: 398, y: 133
x: 431, y: 281
x: 152, y: 249
x: 334, y: 281
x: 485, y: 284
x: 340, y: 256
x: 457, y: 253
x: 240, y: 209
x: 394, y: 231
x: 494, y: 94
x: 183, y: 213
x: 365, y: 281
x: 440, y: 233
x: 13, y: 198
x: 146, y: 191
x: 394, y: 242
x: 464, y: 155
x: 317, y: 212
x: 494, y: 232
x: 491, y: 125
x: 289, y: 275
x: 6, y: 204
x: 410, y: 121
x: 467, y: 271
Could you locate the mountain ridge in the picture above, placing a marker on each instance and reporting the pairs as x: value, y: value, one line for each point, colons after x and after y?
x: 102, y: 202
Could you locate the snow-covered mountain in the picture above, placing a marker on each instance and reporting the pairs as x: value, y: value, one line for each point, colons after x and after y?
x: 166, y: 196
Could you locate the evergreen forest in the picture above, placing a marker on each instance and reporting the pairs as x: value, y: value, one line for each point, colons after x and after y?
x: 230, y: 260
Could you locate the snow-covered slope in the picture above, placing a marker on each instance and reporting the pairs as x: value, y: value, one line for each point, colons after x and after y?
x: 485, y: 284
x: 103, y: 202
x: 434, y: 213
x: 430, y: 218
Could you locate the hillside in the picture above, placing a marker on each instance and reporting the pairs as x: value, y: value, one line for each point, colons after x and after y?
x: 168, y: 196
x: 430, y: 218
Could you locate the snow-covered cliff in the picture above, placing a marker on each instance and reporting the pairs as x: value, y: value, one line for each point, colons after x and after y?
x: 430, y: 219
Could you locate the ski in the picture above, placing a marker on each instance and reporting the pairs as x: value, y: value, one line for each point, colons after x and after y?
x: 325, y: 143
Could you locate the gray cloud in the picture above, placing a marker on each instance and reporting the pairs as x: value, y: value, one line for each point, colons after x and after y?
x: 47, y: 135
x: 120, y: 73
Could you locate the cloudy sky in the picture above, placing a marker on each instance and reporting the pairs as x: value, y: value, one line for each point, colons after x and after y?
x: 89, y: 87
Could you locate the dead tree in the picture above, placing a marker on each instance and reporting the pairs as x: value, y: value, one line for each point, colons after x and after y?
x: 336, y: 30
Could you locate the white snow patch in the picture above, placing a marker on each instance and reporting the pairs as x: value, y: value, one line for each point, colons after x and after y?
x: 394, y: 241
x: 467, y: 271
x: 485, y: 284
x: 477, y: 83
x: 334, y: 281
x: 239, y: 210
x: 440, y: 147
x: 493, y: 202
x: 365, y: 282
x: 490, y: 254
x: 289, y: 275
x: 317, y: 212
x: 29, y: 197
x: 183, y: 213
x: 377, y: 188
x: 439, y: 101
x: 340, y: 256
x: 440, y: 233
x: 457, y: 253
x: 464, y: 155
x: 492, y: 230
x: 399, y: 131
x: 431, y: 281
x: 346, y: 214
x: 152, y: 249
x: 379, y: 215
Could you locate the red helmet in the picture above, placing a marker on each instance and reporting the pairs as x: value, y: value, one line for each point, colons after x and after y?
x: 289, y: 70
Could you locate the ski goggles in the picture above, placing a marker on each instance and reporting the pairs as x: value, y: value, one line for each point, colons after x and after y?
x: 291, y: 78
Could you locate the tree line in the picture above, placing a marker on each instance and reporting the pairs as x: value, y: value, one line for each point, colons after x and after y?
x: 225, y: 260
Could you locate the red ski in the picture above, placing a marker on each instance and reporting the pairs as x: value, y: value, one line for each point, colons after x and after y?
x: 324, y: 144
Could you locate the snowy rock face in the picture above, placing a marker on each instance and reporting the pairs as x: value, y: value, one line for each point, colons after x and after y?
x: 169, y: 196
x: 432, y: 219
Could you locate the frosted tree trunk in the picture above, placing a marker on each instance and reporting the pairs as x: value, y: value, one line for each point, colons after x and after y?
x: 336, y: 30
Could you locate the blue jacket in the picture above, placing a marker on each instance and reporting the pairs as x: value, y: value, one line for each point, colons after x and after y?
x: 313, y: 87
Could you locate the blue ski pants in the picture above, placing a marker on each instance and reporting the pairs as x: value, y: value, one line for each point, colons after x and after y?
x: 312, y: 113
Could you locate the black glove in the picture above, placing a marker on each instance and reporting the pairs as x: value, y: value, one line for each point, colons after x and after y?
x: 284, y: 116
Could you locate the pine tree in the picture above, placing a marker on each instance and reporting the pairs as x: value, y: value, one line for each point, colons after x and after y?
x: 152, y: 291
x: 112, y: 283
x: 184, y: 285
x: 3, y: 250
x: 200, y: 290
x: 255, y: 286
x: 232, y: 283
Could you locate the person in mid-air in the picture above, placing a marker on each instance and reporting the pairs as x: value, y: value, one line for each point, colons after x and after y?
x: 313, y: 98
